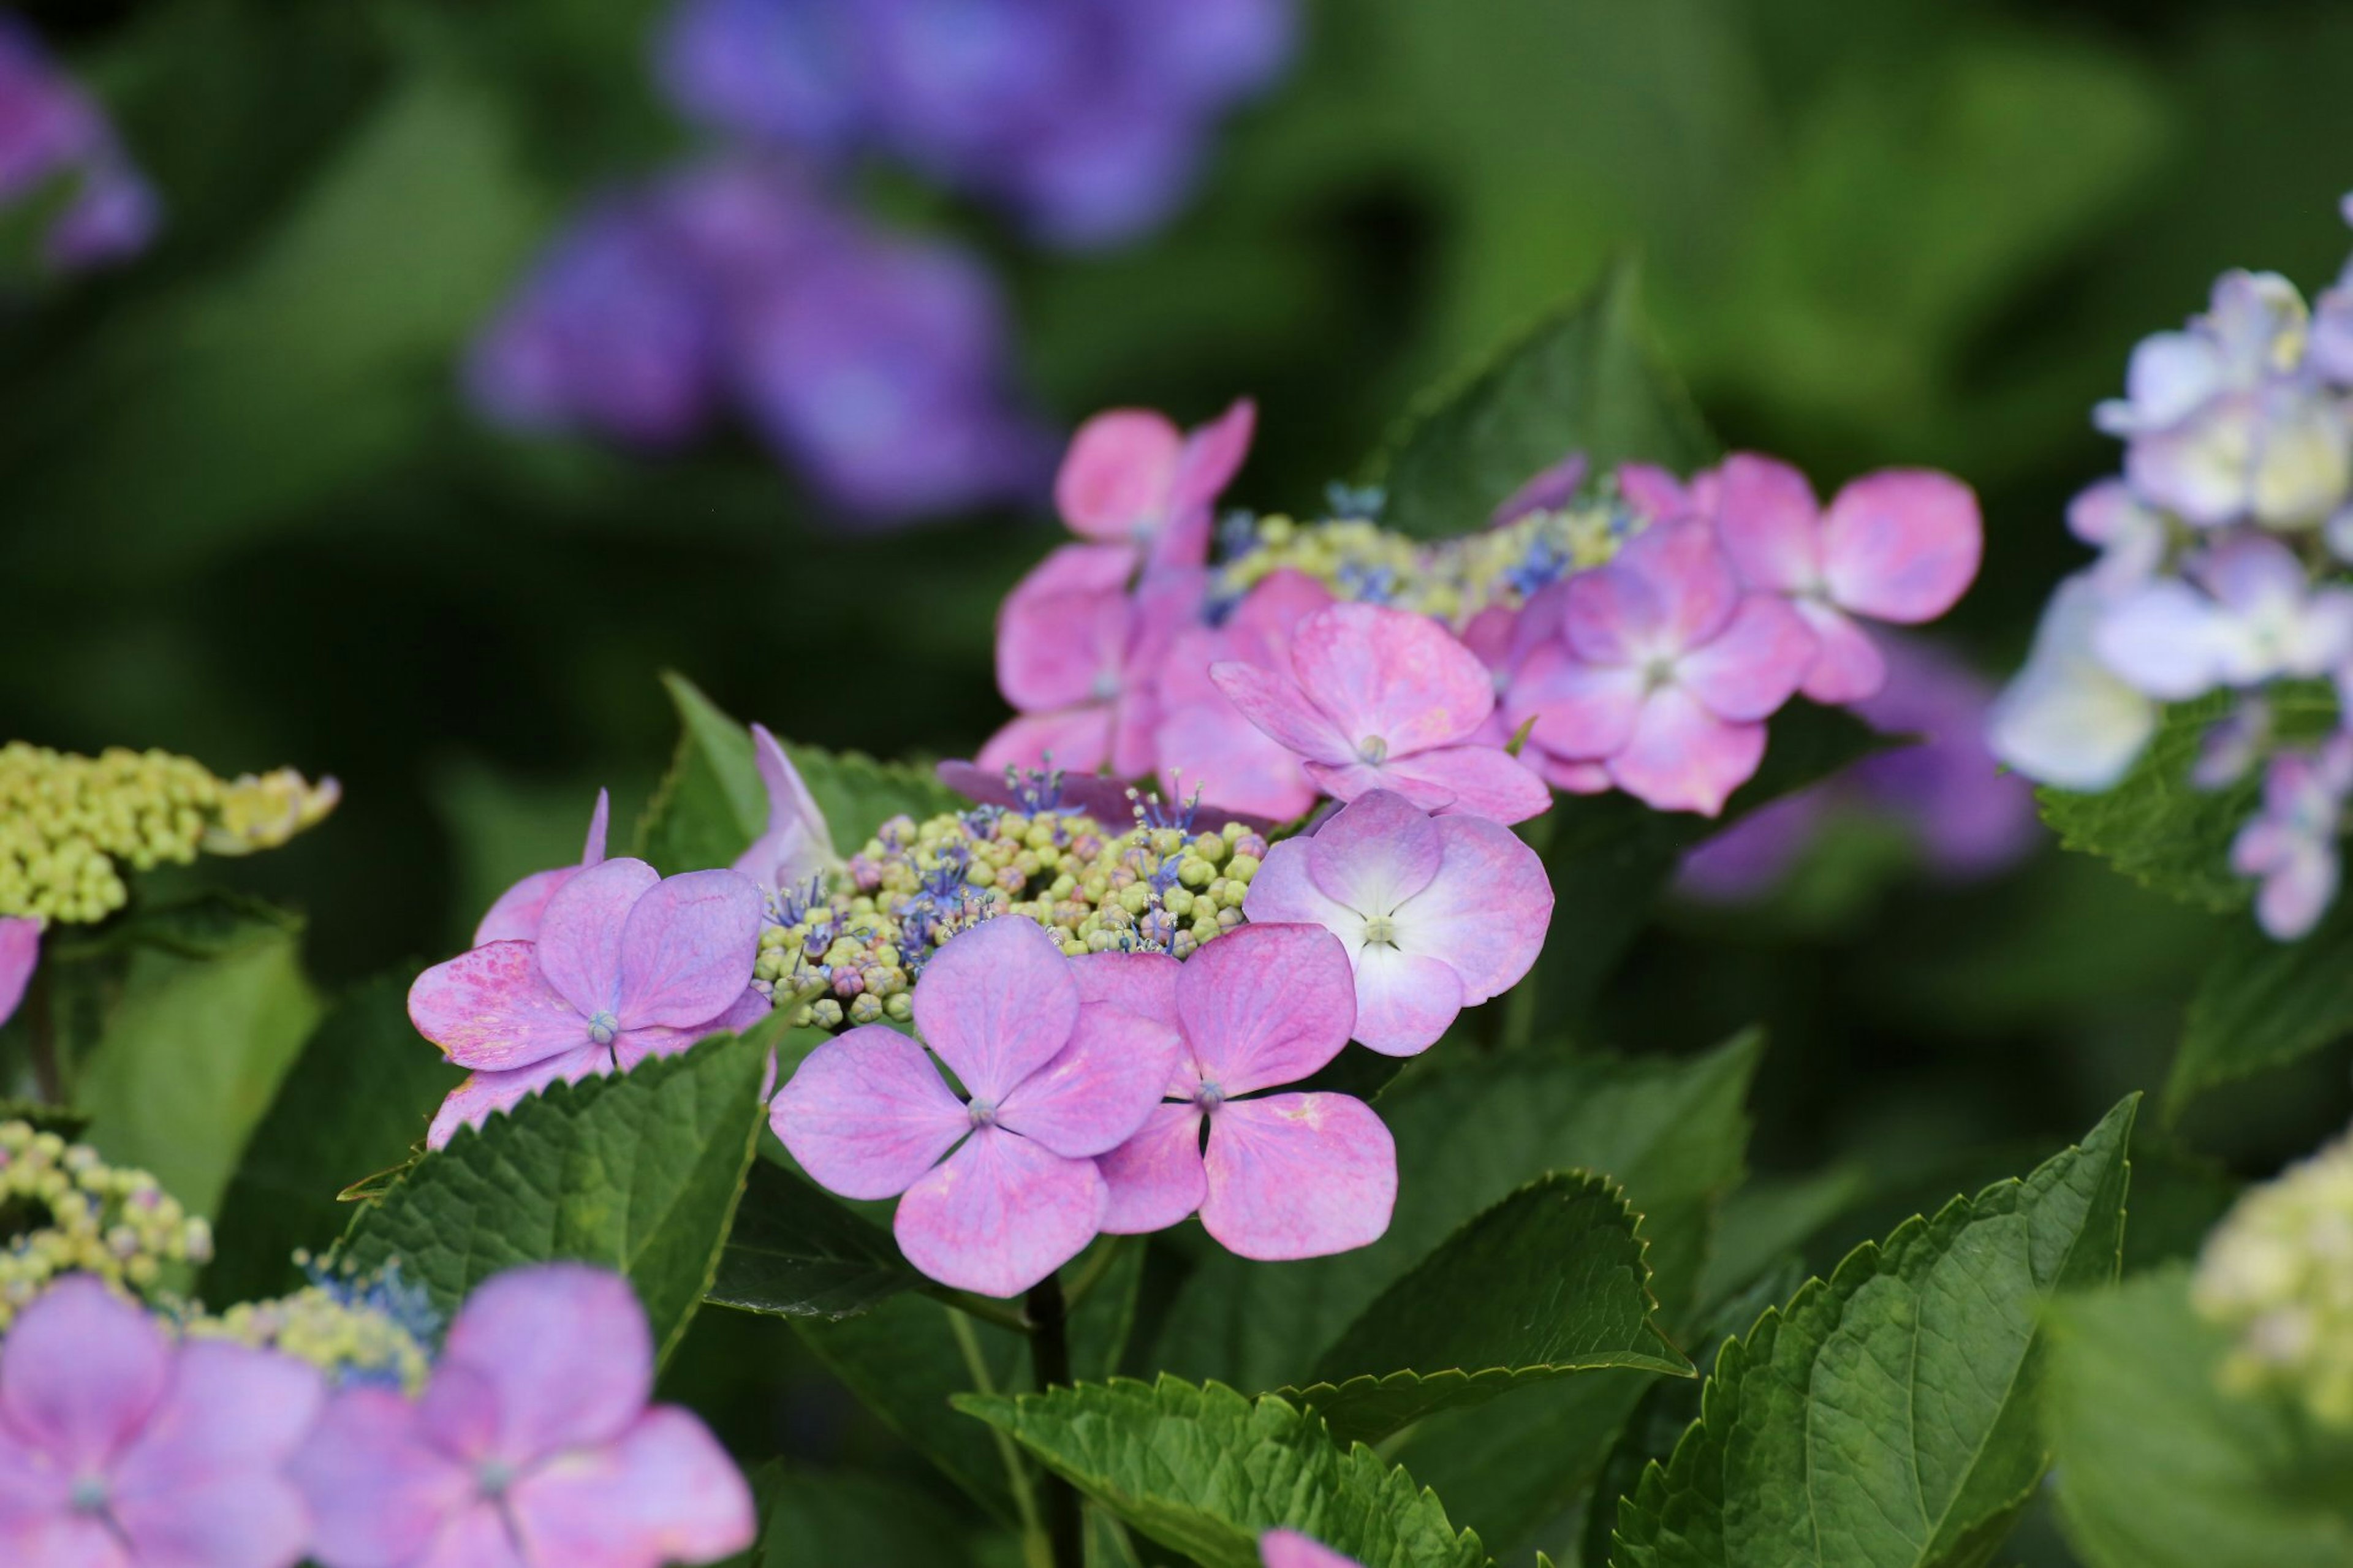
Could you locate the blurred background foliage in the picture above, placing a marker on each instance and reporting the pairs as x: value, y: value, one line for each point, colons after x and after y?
x: 246, y: 513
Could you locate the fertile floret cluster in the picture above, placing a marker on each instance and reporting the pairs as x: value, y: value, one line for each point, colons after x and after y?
x: 849, y: 946
x: 67, y: 1211
x: 68, y: 822
x: 2279, y: 1274
x: 369, y: 1328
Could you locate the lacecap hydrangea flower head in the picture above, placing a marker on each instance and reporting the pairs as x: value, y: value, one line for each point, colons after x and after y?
x: 2278, y: 1273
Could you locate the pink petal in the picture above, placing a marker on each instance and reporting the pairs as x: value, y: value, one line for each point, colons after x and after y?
x: 592, y: 849
x: 1262, y: 623
x: 579, y: 947
x: 81, y: 1373
x: 797, y: 843
x: 1485, y: 913
x: 378, y: 1491
x: 1237, y: 766
x: 1000, y: 1213
x: 1155, y: 1179
x: 1549, y: 489
x: 866, y: 1114
x: 516, y: 914
x: 1389, y: 675
x: 565, y: 1350
x: 1754, y: 665
x: 1183, y: 679
x: 1405, y: 1001
x: 688, y: 950
x: 1903, y: 544
x: 1683, y: 758
x: 1064, y: 649
x: 1476, y: 780
x: 478, y: 1536
x: 37, y: 1506
x: 1266, y: 1005
x: 1118, y: 473
x: 997, y: 1002
x: 1277, y: 705
x: 1143, y: 982
x: 1357, y: 780
x: 1372, y: 855
x: 1580, y: 709
x: 1285, y: 890
x: 1289, y: 1549
x: 1078, y: 740
x: 1212, y: 456
x: 1670, y: 588
x: 206, y: 1484
x: 492, y: 1007
x: 1088, y: 570
x: 1653, y: 491
x: 1770, y: 525
x: 666, y: 1492
x: 1847, y: 669
x: 1298, y: 1175
x: 1093, y: 1096
x: 472, y: 1102
x: 20, y: 953
x: 1568, y: 775
x: 65, y: 1540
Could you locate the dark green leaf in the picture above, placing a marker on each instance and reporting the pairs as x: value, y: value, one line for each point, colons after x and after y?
x: 1585, y: 381
x: 65, y: 1123
x: 1548, y: 1282
x: 1770, y: 1218
x: 357, y: 1100
x: 1206, y: 1471
x: 639, y: 1171
x: 831, y: 1518
x: 1889, y: 1417
x: 2262, y: 1004
x: 796, y: 1253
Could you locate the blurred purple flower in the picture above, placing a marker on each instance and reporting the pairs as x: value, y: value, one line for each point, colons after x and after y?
x: 1085, y: 118
x: 20, y: 954
x: 50, y: 132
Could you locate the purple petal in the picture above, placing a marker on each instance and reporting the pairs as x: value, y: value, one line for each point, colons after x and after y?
x: 580, y: 932
x: 1155, y: 1179
x: 798, y: 844
x: 1549, y: 489
x: 688, y: 950
x: 1847, y: 666
x: 1237, y: 766
x: 1277, y: 705
x: 1093, y: 1096
x: 517, y: 914
x: 1670, y: 589
x: 1213, y: 455
x: 1485, y: 914
x: 1356, y: 780
x: 206, y: 1483
x: 1770, y: 525
x: 997, y: 1002
x: 1115, y: 481
x: 1143, y: 982
x: 1078, y: 740
x: 1289, y: 1549
x: 82, y: 1372
x: 1372, y: 855
x: 492, y: 1008
x: 472, y: 1102
x: 1655, y: 493
x: 20, y: 954
x: 378, y: 1491
x: 867, y: 1114
x: 1391, y: 676
x: 565, y: 1351
x: 592, y: 849
x: 36, y: 1514
x: 1405, y: 1001
x: 1902, y: 544
x: 665, y: 1492
x: 1266, y: 1004
x: 1580, y: 709
x: 1685, y: 758
x: 1474, y: 780
x: 1285, y: 890
x: 1755, y: 664
x: 2165, y: 639
x: 1000, y: 1213
x: 1298, y: 1175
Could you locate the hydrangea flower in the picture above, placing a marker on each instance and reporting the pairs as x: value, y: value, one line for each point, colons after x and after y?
x: 2291, y: 845
x: 1203, y: 740
x: 52, y: 135
x: 1900, y: 545
x: 1132, y: 477
x: 514, y: 915
x: 1289, y: 1549
x: 2066, y: 719
x: 533, y: 1447
x: 797, y: 844
x: 1504, y: 638
x: 20, y: 954
x: 2246, y: 613
x: 1437, y: 913
x: 1001, y: 1189
x: 1378, y: 699
x: 1284, y: 1176
x: 120, y: 1449
x: 1078, y: 655
x: 1040, y: 791
x: 1664, y: 670
x: 627, y: 964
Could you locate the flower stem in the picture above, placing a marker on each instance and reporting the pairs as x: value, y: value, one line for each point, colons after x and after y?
x: 41, y: 1015
x: 1049, y: 1352
x: 980, y: 1307
x: 1016, y: 1473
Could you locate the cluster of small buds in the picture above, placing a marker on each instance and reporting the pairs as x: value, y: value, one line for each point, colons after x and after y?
x: 847, y: 949
x: 359, y: 1329
x: 2278, y: 1273
x: 68, y: 823
x: 69, y: 1212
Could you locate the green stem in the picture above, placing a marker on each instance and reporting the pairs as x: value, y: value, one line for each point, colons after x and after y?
x: 994, y: 1314
x: 41, y: 1016
x: 1049, y: 1354
x: 1088, y: 1278
x: 1017, y: 1474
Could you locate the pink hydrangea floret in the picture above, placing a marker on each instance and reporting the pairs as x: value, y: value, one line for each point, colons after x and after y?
x: 515, y: 915
x: 1132, y: 478
x: 797, y: 843
x: 1204, y: 741
x: 20, y: 954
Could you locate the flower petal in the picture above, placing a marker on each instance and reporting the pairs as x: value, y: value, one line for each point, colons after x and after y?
x: 1077, y: 740
x: 1000, y: 1213
x: 1143, y: 982
x: 492, y: 1007
x: 205, y: 1483
x: 516, y: 913
x: 1755, y: 664
x: 1298, y: 1175
x: 688, y: 950
x: 1093, y: 1096
x: 2165, y: 639
x: 1656, y: 494
x: 866, y: 1113
x: 1847, y: 665
x: 797, y: 843
x: 1285, y: 890
x: 564, y: 1349
x: 1685, y: 758
x: 1155, y: 1179
x: 82, y: 1372
x: 1392, y: 675
x: 1117, y: 475
x: 2065, y: 718
x: 1902, y: 544
x: 1476, y: 780
x: 997, y: 1002
x: 378, y: 1491
x: 1289, y: 1549
x: 472, y: 1102
x: 1266, y: 1005
x: 1485, y: 914
x: 665, y: 1492
x: 1580, y: 709
x: 579, y: 947
x: 1277, y: 705
x: 1670, y: 588
x: 1770, y: 525
x: 20, y: 954
x: 1059, y: 650
x: 1372, y: 855
x: 1405, y: 1001
x: 1237, y: 766
x: 1212, y: 456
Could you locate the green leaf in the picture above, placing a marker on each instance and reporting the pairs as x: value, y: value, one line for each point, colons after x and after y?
x: 1469, y: 1133
x: 2165, y: 832
x: 1205, y: 1471
x: 832, y: 1518
x: 1586, y: 380
x: 796, y: 1253
x: 2159, y: 1467
x: 1548, y: 1282
x: 1767, y: 1219
x: 1889, y: 1417
x: 358, y: 1099
x: 203, y: 1006
x: 2262, y: 1004
x: 639, y: 1171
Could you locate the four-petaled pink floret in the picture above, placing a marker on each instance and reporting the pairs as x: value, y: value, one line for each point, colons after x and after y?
x: 1132, y: 478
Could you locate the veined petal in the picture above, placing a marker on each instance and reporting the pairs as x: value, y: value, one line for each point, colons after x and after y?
x: 688, y: 950
x: 1155, y: 1179
x: 1390, y: 676
x: 565, y: 1352
x: 997, y: 1002
x: 1000, y: 1213
x: 1298, y: 1175
x: 1286, y: 890
x: 1755, y: 664
x: 1770, y: 525
x: 1372, y: 855
x: 516, y: 913
x: 1143, y: 982
x: 1277, y: 705
x: 579, y: 946
x: 491, y: 1008
x: 81, y: 1373
x: 866, y: 1113
x: 1685, y: 758
x: 1405, y: 1001
x: 1118, y: 474
x: 1902, y: 544
x: 1093, y: 1096
x: 1485, y: 914
x: 1266, y: 1005
x: 1580, y: 709
x: 1476, y: 780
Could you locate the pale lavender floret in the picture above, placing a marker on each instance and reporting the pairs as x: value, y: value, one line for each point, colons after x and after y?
x: 533, y: 1447
x: 51, y: 131
x: 797, y: 843
x: 2066, y: 719
x: 119, y: 1448
x: 997, y: 1191
x: 20, y: 954
x: 2291, y: 844
x: 2246, y: 613
x: 627, y: 964
x: 1436, y: 913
